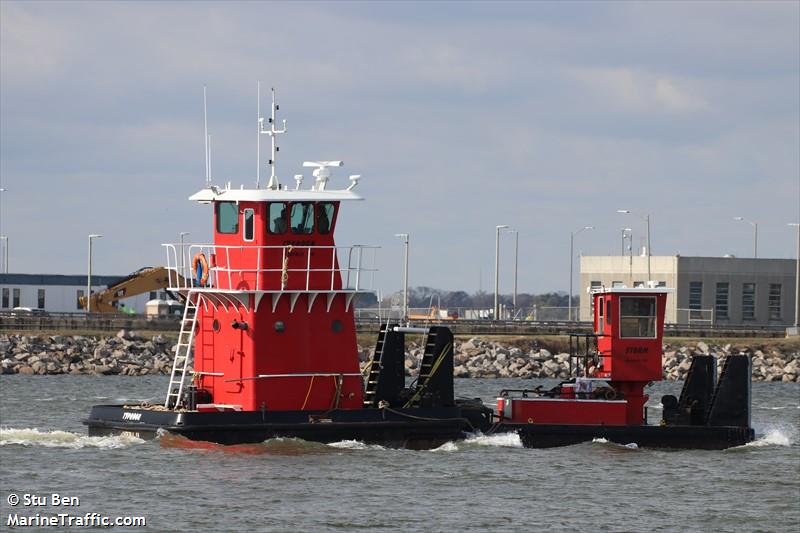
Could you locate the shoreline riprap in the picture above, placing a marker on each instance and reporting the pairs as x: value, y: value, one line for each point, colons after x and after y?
x: 130, y: 354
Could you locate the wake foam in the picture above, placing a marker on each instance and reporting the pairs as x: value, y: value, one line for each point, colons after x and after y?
x: 354, y: 445
x: 773, y: 437
x: 63, y: 439
x: 498, y: 440
x: 604, y: 441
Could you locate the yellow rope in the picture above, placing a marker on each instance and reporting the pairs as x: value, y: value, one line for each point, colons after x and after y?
x: 285, y: 268
x: 434, y: 368
x: 311, y: 384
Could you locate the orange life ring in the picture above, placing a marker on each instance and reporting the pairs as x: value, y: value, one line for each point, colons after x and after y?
x: 200, y: 268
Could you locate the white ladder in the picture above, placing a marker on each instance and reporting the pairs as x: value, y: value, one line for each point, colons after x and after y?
x: 183, y: 353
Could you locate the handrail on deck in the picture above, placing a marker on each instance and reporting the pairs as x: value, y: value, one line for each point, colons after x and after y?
x: 360, y: 259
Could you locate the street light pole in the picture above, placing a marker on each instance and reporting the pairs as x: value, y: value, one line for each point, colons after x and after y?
x: 404, y: 236
x: 2, y: 190
x: 5, y: 238
x: 755, y: 234
x: 516, y: 266
x: 646, y: 218
x: 797, y: 280
x: 571, y: 256
x: 89, y: 277
x: 497, y: 268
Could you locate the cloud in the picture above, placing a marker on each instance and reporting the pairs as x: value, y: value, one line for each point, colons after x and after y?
x: 634, y: 91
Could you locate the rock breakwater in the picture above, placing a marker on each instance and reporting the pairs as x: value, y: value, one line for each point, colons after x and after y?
x: 130, y: 354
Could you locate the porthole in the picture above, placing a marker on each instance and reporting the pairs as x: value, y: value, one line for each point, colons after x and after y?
x: 336, y: 326
x: 280, y: 327
x: 215, y: 326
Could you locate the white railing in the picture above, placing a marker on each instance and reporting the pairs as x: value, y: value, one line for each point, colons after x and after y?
x: 351, y: 268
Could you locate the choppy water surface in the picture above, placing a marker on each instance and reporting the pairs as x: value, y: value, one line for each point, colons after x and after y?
x: 483, y: 483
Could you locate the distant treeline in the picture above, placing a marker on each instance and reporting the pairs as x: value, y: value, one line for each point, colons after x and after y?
x: 427, y: 296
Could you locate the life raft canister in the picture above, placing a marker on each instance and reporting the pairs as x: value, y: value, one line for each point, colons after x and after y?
x: 200, y: 268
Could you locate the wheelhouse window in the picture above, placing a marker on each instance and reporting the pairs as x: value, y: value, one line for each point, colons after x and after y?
x: 5, y: 298
x: 15, y: 294
x: 325, y: 211
x: 277, y: 218
x: 637, y: 317
x: 248, y: 224
x: 227, y: 217
x: 302, y: 218
x: 78, y: 297
x: 40, y: 299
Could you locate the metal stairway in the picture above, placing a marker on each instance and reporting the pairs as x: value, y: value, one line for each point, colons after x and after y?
x: 375, y: 369
x: 183, y: 352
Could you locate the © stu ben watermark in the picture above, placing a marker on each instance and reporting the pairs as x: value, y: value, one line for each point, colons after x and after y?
x: 59, y: 510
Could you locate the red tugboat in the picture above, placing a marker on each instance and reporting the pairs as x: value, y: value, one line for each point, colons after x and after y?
x: 612, y: 367
x: 267, y: 348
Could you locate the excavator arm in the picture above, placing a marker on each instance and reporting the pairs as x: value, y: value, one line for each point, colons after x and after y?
x: 143, y: 280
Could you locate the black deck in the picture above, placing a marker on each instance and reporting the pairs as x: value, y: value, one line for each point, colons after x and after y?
x: 681, y: 437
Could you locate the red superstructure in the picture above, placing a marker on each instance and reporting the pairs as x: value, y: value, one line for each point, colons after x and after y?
x: 610, y: 378
x: 269, y: 318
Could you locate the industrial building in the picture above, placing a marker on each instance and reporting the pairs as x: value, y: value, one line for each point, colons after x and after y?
x: 708, y: 290
x: 59, y: 293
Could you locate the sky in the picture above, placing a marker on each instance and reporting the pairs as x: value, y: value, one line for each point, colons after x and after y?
x: 547, y: 117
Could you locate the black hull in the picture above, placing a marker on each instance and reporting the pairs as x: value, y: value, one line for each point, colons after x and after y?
x: 419, y: 428
x: 405, y: 428
x: 678, y: 437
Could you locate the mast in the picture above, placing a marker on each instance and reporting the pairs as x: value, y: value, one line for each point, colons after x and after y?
x: 272, y: 132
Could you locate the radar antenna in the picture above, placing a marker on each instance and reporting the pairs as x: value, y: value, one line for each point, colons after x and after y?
x: 321, y: 172
x: 272, y: 132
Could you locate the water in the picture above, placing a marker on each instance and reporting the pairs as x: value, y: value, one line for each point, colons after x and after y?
x: 484, y: 483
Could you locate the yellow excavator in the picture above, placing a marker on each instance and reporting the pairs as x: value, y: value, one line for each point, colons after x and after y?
x: 143, y: 280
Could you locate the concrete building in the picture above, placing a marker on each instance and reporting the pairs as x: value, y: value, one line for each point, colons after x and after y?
x: 59, y: 293
x: 708, y: 290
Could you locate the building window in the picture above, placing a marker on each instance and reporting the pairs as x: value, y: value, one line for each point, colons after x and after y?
x: 303, y: 218
x: 248, y: 224
x: 637, y: 317
x: 774, y: 301
x: 748, y: 301
x: 153, y: 295
x: 721, y: 301
x: 277, y: 218
x: 227, y: 217
x: 5, y: 297
x: 662, y: 284
x: 695, y: 298
x: 78, y: 299
x: 40, y: 299
x: 15, y: 298
x: 616, y: 284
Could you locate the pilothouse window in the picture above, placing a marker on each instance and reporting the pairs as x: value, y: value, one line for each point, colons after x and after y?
x: 277, y: 218
x: 302, y: 218
x: 324, y: 217
x: 227, y: 217
x: 637, y: 317
x: 248, y: 224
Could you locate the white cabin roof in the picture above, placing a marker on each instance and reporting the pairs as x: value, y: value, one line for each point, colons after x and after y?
x: 215, y: 194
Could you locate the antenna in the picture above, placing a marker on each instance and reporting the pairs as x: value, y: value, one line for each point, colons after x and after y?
x: 205, y: 127
x: 272, y: 132
x: 258, y: 138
